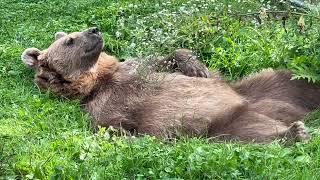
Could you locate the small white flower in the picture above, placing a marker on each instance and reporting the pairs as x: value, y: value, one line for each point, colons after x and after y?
x: 132, y: 45
x: 118, y: 34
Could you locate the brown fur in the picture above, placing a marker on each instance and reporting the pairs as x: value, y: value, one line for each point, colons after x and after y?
x: 82, y: 85
x: 260, y: 108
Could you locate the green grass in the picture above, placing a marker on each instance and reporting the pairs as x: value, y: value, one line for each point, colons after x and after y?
x: 43, y: 136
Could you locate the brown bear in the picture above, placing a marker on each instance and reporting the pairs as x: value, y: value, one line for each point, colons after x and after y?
x: 172, y: 96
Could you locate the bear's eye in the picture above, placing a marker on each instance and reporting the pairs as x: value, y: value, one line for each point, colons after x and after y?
x: 69, y: 41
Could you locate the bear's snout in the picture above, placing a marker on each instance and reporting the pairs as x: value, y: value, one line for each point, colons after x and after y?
x: 93, y: 30
x: 94, y: 35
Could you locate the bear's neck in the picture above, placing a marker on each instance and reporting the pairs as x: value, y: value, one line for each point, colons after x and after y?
x: 88, y: 82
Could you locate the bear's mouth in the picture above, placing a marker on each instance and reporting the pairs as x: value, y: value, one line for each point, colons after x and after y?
x: 95, y: 47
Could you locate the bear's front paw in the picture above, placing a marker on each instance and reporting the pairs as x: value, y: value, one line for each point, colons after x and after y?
x: 195, y: 68
x: 46, y: 80
x: 189, y: 64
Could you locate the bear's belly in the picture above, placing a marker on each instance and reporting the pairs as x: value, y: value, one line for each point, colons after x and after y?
x: 189, y: 106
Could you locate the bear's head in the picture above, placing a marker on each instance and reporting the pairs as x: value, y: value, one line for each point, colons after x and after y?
x: 73, y: 65
x: 69, y: 55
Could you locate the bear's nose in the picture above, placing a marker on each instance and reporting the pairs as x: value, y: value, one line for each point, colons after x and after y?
x: 93, y: 30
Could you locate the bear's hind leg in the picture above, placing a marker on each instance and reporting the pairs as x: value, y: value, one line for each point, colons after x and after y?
x: 254, y: 127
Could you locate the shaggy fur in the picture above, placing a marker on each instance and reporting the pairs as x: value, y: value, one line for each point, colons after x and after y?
x: 184, y: 100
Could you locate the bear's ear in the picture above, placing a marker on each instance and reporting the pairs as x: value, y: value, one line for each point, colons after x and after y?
x: 30, y: 57
x: 59, y: 35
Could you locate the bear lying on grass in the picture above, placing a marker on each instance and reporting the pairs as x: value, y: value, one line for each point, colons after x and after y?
x: 172, y: 96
